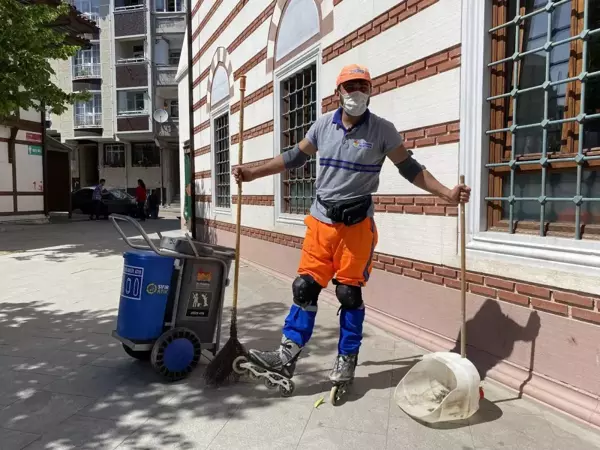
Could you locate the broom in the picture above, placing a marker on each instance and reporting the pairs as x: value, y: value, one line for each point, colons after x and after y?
x: 221, y: 367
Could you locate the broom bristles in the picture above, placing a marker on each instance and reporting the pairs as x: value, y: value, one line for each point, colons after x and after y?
x: 220, y: 369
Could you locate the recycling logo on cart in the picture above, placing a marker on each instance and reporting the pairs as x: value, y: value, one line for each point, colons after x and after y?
x: 154, y: 288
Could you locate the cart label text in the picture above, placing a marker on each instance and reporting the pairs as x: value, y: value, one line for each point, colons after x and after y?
x: 199, y: 304
x: 203, y: 279
x: 159, y: 289
x: 133, y: 280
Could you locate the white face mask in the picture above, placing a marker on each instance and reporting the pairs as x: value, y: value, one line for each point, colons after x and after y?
x: 355, y: 103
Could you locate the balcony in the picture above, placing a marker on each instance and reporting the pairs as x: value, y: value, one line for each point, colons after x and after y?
x: 88, y: 120
x: 132, y: 73
x: 86, y: 71
x: 93, y: 16
x: 168, y: 129
x: 165, y: 75
x: 172, y: 22
x: 130, y: 18
x: 133, y: 111
x: 137, y: 122
x: 89, y: 9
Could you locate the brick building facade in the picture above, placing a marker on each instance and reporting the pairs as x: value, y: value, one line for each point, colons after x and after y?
x: 444, y: 75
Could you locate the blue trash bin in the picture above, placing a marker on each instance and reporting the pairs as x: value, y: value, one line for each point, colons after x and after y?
x: 144, y: 294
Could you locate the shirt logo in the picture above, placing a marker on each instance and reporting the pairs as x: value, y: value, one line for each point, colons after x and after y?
x: 361, y: 143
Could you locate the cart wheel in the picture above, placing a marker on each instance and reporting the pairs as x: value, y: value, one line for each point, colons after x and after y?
x: 142, y: 355
x: 176, y: 353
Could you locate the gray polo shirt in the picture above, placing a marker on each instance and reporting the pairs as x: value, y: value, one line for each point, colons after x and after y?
x: 349, y: 161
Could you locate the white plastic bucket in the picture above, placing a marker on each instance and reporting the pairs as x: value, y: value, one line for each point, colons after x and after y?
x: 441, y: 387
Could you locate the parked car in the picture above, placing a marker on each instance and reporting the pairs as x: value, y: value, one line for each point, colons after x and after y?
x: 115, y: 201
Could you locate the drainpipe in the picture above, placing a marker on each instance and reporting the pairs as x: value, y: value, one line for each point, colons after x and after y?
x: 190, y: 78
x: 44, y: 161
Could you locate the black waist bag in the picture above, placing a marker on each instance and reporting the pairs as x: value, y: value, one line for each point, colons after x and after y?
x: 349, y: 213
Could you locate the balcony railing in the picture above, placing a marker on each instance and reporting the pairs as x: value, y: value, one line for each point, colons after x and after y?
x: 89, y: 70
x: 169, y: 129
x: 129, y: 20
x: 132, y: 60
x: 139, y: 112
x: 165, y: 76
x: 136, y: 122
x: 93, y: 16
x: 89, y: 120
x: 169, y: 22
x: 129, y: 7
x: 131, y: 74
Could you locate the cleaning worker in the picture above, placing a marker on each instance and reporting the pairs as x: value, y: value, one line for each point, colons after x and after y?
x: 341, y: 234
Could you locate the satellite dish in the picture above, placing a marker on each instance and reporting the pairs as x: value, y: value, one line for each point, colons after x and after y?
x: 160, y: 115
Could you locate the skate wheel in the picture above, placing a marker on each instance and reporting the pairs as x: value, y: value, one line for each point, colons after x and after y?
x: 176, y: 353
x: 269, y: 384
x: 287, y: 392
x: 333, y: 395
x: 237, y: 365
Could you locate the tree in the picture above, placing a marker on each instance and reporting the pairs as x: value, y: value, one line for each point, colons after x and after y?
x: 29, y: 39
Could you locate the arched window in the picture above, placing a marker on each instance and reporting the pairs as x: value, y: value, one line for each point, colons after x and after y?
x: 219, y: 93
x: 299, y: 24
x: 220, y: 86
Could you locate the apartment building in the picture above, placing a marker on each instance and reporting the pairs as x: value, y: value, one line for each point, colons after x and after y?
x: 34, y: 167
x: 502, y: 91
x: 128, y: 129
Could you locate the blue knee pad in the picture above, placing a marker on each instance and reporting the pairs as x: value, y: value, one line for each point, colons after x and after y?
x: 351, y: 330
x: 299, y: 325
x: 352, y: 316
x: 300, y: 322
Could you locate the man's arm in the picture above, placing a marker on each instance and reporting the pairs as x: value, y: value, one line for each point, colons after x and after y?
x: 293, y: 158
x: 419, y: 176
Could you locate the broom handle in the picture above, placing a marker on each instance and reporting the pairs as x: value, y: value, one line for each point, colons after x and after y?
x: 463, y: 281
x: 238, y: 225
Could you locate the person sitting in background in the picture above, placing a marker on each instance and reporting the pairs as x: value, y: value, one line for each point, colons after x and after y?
x: 153, y: 204
x: 140, y: 198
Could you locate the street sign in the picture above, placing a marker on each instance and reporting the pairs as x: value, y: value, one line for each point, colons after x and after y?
x: 34, y: 150
x: 35, y: 137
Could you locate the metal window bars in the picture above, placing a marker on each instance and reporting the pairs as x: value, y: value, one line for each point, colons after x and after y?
x: 222, y: 170
x: 114, y: 155
x: 88, y: 120
x: 583, y: 77
x: 298, y: 113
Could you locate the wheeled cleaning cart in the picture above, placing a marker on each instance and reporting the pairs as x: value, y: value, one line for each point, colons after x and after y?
x: 171, y: 300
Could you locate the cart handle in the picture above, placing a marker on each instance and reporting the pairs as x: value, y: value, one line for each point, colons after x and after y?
x: 209, y: 249
x: 162, y: 251
x: 151, y: 245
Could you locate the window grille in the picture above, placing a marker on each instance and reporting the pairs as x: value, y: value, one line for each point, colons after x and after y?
x: 145, y: 155
x: 545, y: 118
x: 222, y: 170
x: 114, y: 155
x: 298, y: 113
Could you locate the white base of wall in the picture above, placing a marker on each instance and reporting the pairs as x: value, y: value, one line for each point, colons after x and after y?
x: 23, y: 219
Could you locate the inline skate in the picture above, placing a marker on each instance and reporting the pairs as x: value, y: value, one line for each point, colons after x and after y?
x: 342, y: 376
x: 276, y: 368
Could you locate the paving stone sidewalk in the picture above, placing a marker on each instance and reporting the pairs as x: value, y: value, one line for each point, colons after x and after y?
x: 66, y: 384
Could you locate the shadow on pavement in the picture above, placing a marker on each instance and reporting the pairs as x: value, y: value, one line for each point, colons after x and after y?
x: 58, y: 242
x: 65, y: 382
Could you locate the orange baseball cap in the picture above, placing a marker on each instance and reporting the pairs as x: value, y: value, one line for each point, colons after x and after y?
x: 353, y: 72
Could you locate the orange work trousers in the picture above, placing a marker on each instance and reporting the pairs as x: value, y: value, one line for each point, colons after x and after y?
x: 339, y: 250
